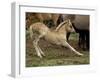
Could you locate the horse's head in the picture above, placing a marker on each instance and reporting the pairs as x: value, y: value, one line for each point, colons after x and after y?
x: 69, y: 26
x: 65, y: 26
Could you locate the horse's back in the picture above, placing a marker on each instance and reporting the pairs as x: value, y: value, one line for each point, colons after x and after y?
x: 82, y: 22
x: 40, y: 27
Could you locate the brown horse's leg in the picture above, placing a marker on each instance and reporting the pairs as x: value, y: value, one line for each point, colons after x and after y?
x: 71, y: 48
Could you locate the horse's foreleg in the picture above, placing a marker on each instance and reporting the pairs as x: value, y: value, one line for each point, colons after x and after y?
x: 71, y: 48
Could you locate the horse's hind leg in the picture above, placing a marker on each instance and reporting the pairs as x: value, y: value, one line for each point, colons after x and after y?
x: 37, y: 48
x: 41, y: 51
x: 71, y: 48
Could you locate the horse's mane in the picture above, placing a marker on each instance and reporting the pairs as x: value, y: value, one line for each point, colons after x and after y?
x: 61, y: 24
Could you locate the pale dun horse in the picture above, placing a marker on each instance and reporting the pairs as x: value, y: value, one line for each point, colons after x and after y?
x: 58, y: 36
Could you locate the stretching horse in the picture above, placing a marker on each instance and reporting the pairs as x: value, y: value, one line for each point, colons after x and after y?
x: 58, y: 36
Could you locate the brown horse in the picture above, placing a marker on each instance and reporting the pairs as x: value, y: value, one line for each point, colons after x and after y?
x: 57, y: 36
x: 47, y: 17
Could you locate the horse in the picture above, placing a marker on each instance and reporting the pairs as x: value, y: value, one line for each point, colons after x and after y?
x: 39, y: 30
x: 48, y: 18
x: 63, y: 17
x: 81, y: 26
x: 55, y: 18
x: 83, y: 37
x: 45, y: 18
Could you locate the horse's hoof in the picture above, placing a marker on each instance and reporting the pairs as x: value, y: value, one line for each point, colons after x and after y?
x: 81, y: 54
x: 40, y: 57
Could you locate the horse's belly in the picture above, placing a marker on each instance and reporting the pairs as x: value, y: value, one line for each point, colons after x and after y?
x: 54, y: 39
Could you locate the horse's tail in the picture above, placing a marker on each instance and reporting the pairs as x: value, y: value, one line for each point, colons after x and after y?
x: 31, y: 32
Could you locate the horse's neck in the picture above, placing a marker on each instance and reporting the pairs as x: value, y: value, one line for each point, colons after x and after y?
x: 61, y: 29
x: 59, y: 26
